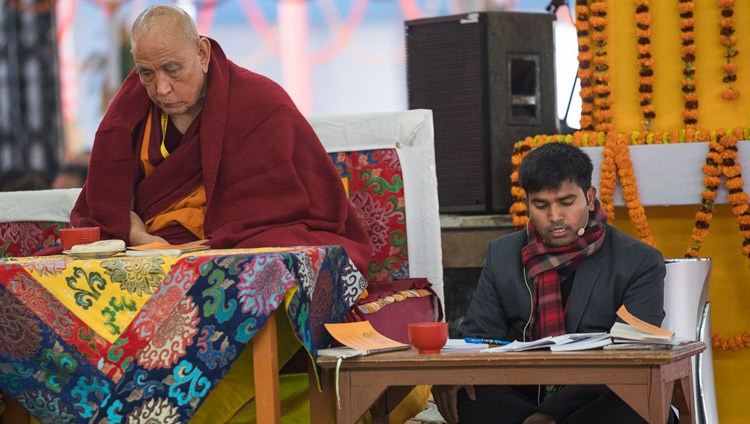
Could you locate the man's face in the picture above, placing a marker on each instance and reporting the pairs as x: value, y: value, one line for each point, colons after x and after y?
x: 172, y: 70
x: 559, y: 214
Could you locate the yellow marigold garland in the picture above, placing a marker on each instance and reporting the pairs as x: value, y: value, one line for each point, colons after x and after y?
x: 643, y: 19
x: 583, y: 31
x: 602, y: 89
x: 728, y: 40
x: 690, y: 98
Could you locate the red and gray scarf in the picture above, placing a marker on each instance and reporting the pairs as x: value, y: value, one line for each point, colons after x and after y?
x: 545, y: 264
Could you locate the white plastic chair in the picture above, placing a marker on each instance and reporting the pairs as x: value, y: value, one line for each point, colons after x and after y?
x: 689, y: 315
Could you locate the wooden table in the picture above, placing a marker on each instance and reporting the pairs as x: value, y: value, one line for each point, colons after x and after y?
x: 644, y: 379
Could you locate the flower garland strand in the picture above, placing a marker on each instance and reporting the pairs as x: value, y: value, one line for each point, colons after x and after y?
x: 584, y: 64
x: 608, y: 178
x: 602, y: 89
x: 687, y: 26
x: 518, y: 211
x: 728, y: 40
x: 645, y: 62
x: 736, y: 196
x: 734, y: 344
x: 630, y: 191
x: 711, y: 181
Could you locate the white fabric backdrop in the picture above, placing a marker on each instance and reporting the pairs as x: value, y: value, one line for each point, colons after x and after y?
x: 668, y: 174
x: 411, y: 133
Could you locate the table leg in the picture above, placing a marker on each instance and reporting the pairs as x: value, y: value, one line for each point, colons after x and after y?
x: 659, y: 398
x: 356, y: 399
x: 322, y: 402
x: 683, y: 400
x: 387, y: 402
x: 266, y: 370
x: 379, y: 410
x: 635, y: 395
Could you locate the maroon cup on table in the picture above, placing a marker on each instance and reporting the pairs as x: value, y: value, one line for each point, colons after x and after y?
x: 70, y: 237
x: 428, y: 337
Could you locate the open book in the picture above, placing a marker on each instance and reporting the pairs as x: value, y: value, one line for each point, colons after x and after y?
x: 636, y: 330
x: 359, y: 339
x: 563, y: 342
x: 164, y: 249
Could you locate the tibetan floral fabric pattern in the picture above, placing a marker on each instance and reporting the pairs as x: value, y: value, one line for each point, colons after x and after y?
x: 24, y: 238
x: 146, y: 339
x: 376, y: 188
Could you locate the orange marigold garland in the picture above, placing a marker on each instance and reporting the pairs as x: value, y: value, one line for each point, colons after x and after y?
x: 608, y: 178
x: 645, y: 62
x: 602, y: 89
x: 734, y: 344
x: 737, y: 196
x: 728, y: 40
x: 584, y: 64
x: 630, y: 191
x: 690, y: 98
x: 712, y: 181
x: 518, y: 210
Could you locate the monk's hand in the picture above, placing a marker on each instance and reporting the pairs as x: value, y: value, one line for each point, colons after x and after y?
x: 539, y: 418
x: 446, y: 399
x: 138, y: 234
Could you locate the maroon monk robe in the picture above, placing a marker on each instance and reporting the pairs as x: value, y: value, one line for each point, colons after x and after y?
x: 268, y: 180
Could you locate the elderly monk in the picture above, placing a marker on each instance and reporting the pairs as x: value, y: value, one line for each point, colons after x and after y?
x: 194, y: 146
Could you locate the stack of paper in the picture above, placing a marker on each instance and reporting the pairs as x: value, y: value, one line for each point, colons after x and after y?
x: 460, y: 345
x: 635, y: 330
x: 156, y: 248
x: 360, y: 338
x: 564, y: 342
x: 591, y: 341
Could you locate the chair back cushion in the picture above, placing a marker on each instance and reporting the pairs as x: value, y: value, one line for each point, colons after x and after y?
x: 376, y: 188
x: 24, y: 238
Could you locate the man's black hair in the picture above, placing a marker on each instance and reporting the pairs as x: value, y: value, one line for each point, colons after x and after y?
x: 548, y: 166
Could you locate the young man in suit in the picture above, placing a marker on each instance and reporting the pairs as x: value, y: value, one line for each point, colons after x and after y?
x: 568, y: 272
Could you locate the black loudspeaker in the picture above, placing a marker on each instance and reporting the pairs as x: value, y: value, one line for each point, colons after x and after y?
x: 489, y: 79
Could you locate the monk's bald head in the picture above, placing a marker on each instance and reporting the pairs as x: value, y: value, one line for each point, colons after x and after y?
x: 165, y: 19
x: 171, y: 61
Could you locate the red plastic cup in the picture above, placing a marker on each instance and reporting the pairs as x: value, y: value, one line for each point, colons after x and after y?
x: 428, y: 337
x: 70, y: 237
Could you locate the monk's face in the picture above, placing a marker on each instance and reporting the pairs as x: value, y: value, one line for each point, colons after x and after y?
x: 173, y: 70
x: 558, y: 214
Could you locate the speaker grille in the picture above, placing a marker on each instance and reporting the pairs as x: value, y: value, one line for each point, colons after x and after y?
x: 447, y: 72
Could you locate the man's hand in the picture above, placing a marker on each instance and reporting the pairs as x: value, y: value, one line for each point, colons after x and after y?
x: 539, y: 418
x: 446, y: 400
x: 138, y: 234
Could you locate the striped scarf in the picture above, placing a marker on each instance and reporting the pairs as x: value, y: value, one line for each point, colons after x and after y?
x: 545, y: 264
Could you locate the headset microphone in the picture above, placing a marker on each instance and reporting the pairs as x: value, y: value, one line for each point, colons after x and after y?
x: 583, y: 229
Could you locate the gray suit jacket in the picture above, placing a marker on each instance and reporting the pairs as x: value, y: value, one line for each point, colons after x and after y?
x: 623, y: 271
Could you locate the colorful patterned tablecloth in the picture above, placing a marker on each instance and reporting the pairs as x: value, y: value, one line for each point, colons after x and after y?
x: 145, y: 339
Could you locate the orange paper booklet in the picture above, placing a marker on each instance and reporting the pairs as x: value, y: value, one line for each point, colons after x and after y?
x: 157, y: 248
x: 360, y: 339
x: 636, y: 329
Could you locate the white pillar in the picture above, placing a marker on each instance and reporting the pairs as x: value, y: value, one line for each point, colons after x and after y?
x: 293, y: 52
